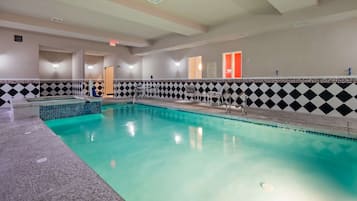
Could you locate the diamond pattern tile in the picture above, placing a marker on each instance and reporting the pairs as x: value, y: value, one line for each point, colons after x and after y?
x: 344, y: 110
x: 16, y: 90
x: 335, y: 99
x: 310, y: 107
x: 56, y: 88
x: 295, y: 94
x: 326, y: 95
x: 326, y: 108
x: 310, y: 94
x: 318, y: 98
x: 295, y: 106
x: 344, y: 96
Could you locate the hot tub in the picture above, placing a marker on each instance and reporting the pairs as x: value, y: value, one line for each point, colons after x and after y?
x: 56, y: 107
x: 50, y: 98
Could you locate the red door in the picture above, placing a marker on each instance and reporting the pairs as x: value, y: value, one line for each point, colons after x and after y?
x: 233, y: 65
x: 238, y: 65
x: 228, y: 67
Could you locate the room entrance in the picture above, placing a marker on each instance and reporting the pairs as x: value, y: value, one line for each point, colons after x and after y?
x: 195, y: 67
x: 109, y: 81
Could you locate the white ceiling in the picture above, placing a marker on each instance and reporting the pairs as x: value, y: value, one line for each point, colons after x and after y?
x: 46, y: 9
x: 210, y: 13
x: 287, y: 5
x: 138, y: 23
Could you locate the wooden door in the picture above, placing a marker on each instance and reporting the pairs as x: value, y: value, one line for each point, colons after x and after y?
x: 109, y: 80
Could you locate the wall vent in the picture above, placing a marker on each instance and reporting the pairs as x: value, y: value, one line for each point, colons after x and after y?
x: 18, y: 38
x: 57, y: 20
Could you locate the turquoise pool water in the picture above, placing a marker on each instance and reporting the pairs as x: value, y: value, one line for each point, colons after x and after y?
x: 156, y: 154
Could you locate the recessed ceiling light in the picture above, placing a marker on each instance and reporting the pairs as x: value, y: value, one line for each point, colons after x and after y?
x: 57, y: 20
x: 154, y: 1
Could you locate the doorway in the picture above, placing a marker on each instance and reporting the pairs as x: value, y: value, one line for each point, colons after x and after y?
x: 232, y: 65
x: 195, y: 67
x: 109, y: 81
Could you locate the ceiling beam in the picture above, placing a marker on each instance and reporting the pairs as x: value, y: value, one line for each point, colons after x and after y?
x: 141, y: 13
x: 284, y: 6
x: 258, y: 24
x: 25, y: 23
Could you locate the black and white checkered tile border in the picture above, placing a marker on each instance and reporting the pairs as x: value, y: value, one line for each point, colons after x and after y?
x: 332, y: 97
x: 55, y: 88
x: 11, y: 89
x: 98, y: 84
x: 18, y: 89
x: 77, y: 87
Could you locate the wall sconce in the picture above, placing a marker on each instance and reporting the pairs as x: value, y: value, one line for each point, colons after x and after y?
x: 177, y: 64
x: 199, y: 67
x: 131, y: 66
x: 90, y: 67
x: 55, y: 66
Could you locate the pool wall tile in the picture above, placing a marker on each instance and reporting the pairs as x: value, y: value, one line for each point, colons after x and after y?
x: 332, y: 97
x: 98, y: 84
x: 56, y: 87
x: 77, y: 87
x: 49, y: 112
x: 322, y: 96
x: 19, y: 89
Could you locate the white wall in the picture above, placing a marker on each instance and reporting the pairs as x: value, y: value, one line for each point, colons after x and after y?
x: 47, y: 60
x: 97, y: 63
x: 122, y: 65
x: 324, y: 50
x: 163, y: 65
x: 21, y: 60
x: 78, y: 65
x: 18, y: 60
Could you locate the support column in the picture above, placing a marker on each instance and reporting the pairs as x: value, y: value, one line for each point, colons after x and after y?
x: 78, y: 65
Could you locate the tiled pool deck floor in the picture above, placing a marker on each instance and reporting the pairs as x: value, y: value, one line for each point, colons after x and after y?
x: 35, y: 165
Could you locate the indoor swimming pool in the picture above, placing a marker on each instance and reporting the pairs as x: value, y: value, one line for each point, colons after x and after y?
x: 148, y: 153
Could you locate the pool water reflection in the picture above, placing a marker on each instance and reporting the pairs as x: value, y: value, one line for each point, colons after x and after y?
x: 155, y: 154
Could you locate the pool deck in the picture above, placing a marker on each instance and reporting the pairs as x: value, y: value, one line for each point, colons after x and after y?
x: 35, y: 165
x: 344, y: 127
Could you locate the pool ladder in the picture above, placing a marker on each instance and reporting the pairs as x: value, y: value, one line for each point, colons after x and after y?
x: 229, y: 102
x: 138, y: 92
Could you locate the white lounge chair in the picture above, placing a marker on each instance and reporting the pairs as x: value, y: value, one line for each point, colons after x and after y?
x: 217, y: 94
x: 190, y: 91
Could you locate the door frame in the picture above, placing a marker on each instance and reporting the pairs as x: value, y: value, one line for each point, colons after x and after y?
x: 196, y: 67
x: 105, y: 81
x: 233, y: 69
